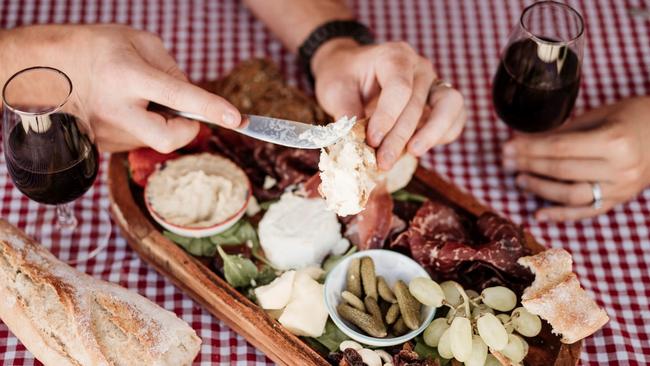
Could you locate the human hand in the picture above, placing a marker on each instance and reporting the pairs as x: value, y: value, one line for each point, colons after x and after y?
x: 116, y: 71
x: 392, y: 84
x: 608, y: 145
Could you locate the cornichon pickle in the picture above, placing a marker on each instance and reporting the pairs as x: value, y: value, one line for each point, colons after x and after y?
x: 384, y: 291
x: 368, y: 278
x: 408, y: 305
x: 364, y: 321
x: 354, y: 277
x: 353, y: 300
x: 392, y: 314
x: 373, y: 308
x: 399, y: 328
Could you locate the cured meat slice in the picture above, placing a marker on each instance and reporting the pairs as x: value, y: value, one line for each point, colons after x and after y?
x: 433, y: 224
x: 370, y: 228
x: 439, y: 239
x: 261, y: 160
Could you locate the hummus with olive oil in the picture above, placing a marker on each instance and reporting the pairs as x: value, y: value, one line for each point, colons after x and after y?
x: 199, y: 190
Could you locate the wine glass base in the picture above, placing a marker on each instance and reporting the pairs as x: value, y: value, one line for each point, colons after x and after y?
x: 73, y: 245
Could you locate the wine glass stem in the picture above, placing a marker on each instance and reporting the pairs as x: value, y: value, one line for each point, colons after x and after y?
x: 66, y: 221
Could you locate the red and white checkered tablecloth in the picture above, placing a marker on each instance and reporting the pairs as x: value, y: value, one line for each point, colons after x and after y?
x: 463, y: 38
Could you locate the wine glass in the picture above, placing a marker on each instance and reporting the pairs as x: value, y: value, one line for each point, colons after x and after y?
x: 537, y: 82
x: 49, y: 146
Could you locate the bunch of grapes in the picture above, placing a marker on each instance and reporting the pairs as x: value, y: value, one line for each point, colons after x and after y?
x: 478, y: 325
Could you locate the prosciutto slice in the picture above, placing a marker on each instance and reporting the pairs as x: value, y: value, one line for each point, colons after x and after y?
x: 370, y: 228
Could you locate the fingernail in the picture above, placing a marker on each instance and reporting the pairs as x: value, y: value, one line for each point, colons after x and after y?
x: 510, y: 165
x: 377, y: 137
x: 509, y: 149
x: 541, y: 217
x: 229, y: 119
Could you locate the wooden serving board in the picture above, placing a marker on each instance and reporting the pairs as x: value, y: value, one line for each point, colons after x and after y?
x: 233, y: 308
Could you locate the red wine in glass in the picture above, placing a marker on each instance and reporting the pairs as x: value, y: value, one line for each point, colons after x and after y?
x: 54, y: 167
x: 51, y: 156
x: 538, y: 78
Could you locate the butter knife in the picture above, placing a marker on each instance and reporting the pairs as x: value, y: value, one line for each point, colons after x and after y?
x: 275, y: 130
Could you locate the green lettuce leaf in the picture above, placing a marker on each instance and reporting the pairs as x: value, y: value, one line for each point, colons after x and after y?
x: 332, y: 336
x: 238, y: 271
x: 202, y: 247
x: 333, y: 260
x: 404, y: 195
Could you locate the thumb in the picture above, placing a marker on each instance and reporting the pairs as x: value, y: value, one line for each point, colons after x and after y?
x: 342, y: 99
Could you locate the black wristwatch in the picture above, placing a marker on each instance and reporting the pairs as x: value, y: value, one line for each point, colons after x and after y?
x: 325, y: 32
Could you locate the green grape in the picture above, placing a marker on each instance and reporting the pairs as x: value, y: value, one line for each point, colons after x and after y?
x: 523, y: 341
x: 481, y: 309
x: 434, y: 331
x: 426, y: 291
x: 492, y: 361
x: 505, y: 318
x: 492, y: 331
x: 479, y: 352
x: 514, y: 350
x: 471, y: 294
x: 525, y: 323
x: 499, y: 298
x: 460, y: 338
x: 452, y: 295
x: 444, y: 346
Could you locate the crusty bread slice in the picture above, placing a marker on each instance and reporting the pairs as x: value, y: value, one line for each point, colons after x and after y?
x: 550, y: 268
x: 65, y: 317
x: 557, y: 297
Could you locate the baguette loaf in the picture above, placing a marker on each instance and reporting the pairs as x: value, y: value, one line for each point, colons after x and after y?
x: 65, y: 317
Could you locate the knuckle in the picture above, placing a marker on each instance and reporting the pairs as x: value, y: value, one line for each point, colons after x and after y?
x: 402, y: 87
x: 401, y: 47
x: 619, y: 143
x: 400, y: 136
x: 632, y: 175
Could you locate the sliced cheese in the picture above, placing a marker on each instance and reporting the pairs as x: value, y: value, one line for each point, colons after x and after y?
x: 305, y: 314
x: 276, y: 294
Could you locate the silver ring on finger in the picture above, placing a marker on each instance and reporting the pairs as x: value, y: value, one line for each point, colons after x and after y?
x: 438, y: 83
x: 597, y: 193
x: 441, y: 83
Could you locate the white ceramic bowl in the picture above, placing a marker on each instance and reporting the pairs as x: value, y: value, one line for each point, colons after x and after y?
x: 392, y: 266
x: 201, y: 232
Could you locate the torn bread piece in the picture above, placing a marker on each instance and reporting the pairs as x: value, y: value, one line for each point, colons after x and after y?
x: 557, y: 297
x: 348, y: 171
x: 67, y: 318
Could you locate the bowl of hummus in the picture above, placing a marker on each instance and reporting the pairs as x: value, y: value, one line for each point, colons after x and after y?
x: 197, y: 195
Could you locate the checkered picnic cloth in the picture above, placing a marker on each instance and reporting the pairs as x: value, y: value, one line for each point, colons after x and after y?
x: 463, y: 39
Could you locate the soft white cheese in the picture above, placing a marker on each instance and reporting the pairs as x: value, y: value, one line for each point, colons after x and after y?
x: 347, y: 173
x: 298, y: 232
x: 197, y: 190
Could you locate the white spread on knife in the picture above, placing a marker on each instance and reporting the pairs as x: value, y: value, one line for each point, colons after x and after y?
x: 197, y: 190
x: 347, y: 172
x: 297, y: 232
